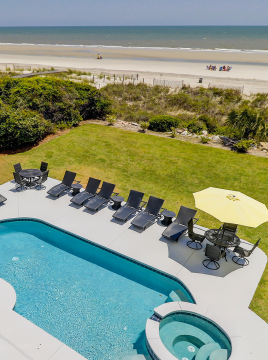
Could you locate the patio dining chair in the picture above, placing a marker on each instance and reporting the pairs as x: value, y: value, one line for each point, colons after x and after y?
x: 41, y: 180
x: 151, y: 212
x: 20, y: 183
x: 214, y: 254
x: 66, y: 184
x: 90, y: 191
x: 196, y: 239
x: 240, y: 259
x: 132, y: 205
x: 180, y: 224
x: 17, y: 167
x: 43, y: 166
x: 102, y: 198
x: 229, y: 227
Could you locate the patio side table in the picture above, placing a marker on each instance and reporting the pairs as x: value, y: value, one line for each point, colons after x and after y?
x: 168, y: 215
x: 76, y: 188
x: 117, y: 202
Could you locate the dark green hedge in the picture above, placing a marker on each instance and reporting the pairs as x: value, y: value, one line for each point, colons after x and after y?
x: 163, y: 123
x: 55, y: 100
x: 19, y: 128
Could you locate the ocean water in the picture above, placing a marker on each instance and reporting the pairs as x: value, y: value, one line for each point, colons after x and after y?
x: 90, y: 299
x: 228, y: 38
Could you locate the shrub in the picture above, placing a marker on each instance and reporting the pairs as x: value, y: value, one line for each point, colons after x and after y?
x: 248, y: 122
x: 204, y: 140
x: 211, y: 124
x: 56, y: 99
x: 173, y: 132
x: 144, y: 125
x: 163, y: 123
x: 111, y: 119
x: 243, y: 145
x: 20, y: 128
x: 195, y: 126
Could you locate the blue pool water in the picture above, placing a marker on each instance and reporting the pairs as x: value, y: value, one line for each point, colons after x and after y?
x: 93, y: 300
x: 185, y: 334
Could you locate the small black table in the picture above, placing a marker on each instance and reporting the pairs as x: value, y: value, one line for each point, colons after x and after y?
x: 76, y: 188
x: 168, y: 215
x: 117, y: 202
x: 30, y: 175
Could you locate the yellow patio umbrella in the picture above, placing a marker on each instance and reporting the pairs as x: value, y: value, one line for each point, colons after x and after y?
x: 231, y: 207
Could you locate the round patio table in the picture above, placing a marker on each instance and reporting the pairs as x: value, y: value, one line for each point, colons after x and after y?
x: 222, y: 238
x: 30, y: 174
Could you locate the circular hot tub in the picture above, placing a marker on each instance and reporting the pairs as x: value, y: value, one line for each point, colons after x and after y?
x: 189, y: 336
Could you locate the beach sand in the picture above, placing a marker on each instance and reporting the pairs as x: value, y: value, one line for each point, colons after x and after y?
x: 249, y: 70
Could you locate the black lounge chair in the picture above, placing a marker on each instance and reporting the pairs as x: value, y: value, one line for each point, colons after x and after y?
x: 90, y: 191
x: 41, y: 180
x: 43, y: 166
x: 196, y: 239
x: 2, y: 199
x: 64, y: 185
x: 243, y: 254
x: 131, y: 206
x: 214, y: 254
x: 180, y: 224
x: 151, y: 212
x: 102, y: 198
x: 17, y: 167
x: 20, y: 183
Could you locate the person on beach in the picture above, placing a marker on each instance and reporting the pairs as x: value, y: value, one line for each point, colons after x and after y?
x: 98, y: 56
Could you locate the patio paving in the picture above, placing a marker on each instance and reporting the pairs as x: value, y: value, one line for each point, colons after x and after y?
x: 224, y: 294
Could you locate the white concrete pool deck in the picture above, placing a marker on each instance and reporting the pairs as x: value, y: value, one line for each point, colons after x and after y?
x: 223, y: 295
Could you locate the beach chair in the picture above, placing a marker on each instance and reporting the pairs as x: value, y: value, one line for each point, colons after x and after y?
x: 151, y: 212
x: 90, y: 191
x: 180, y: 224
x: 102, y: 198
x: 131, y: 206
x: 220, y: 69
x: 66, y: 184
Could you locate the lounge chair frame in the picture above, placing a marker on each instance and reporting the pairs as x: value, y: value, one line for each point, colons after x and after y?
x: 151, y: 212
x: 66, y: 184
x: 102, y: 198
x: 90, y: 191
x: 134, y: 204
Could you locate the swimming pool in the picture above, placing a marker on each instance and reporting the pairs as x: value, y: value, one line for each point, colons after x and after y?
x: 93, y: 300
x: 189, y: 336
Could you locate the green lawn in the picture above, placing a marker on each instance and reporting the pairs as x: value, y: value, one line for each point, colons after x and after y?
x: 162, y: 167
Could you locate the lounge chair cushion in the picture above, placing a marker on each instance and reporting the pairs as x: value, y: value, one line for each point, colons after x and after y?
x: 174, y: 231
x: 81, y: 197
x: 124, y: 212
x: 57, y: 189
x: 94, y: 203
x: 142, y: 220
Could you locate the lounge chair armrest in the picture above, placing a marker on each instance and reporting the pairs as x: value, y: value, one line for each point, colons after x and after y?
x: 77, y: 181
x: 115, y: 193
x: 195, y: 221
x: 143, y: 203
x: 160, y: 214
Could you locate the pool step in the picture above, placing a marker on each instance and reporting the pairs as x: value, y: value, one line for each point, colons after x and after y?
x: 176, y: 295
x: 220, y: 354
x: 135, y: 357
x: 205, y: 351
